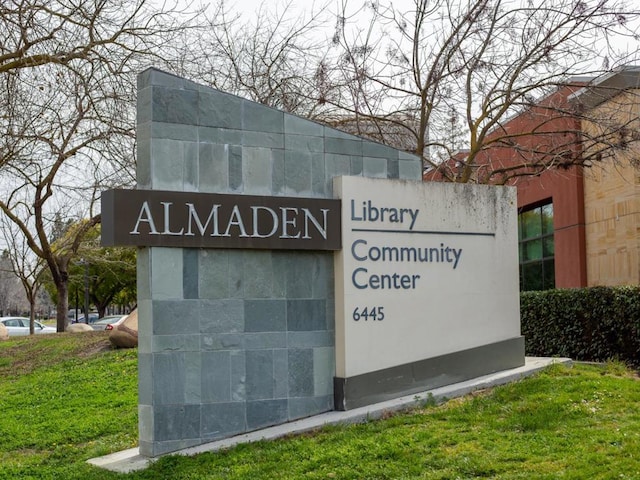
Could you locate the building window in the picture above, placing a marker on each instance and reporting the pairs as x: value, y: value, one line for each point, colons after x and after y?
x: 535, y: 241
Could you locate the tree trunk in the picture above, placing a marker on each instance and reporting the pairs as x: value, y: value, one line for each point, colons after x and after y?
x: 32, y: 313
x: 62, y: 304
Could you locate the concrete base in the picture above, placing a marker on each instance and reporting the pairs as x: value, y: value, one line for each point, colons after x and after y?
x: 428, y: 374
x: 131, y: 460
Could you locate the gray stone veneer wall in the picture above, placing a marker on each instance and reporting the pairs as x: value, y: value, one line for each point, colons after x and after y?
x: 235, y: 340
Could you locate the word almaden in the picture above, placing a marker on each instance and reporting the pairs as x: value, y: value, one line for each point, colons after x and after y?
x: 202, y: 220
x: 427, y: 270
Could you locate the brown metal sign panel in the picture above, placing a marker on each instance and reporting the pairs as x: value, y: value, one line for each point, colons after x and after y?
x: 206, y: 220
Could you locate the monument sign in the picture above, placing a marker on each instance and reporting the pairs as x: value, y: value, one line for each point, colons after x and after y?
x: 287, y: 269
x: 428, y: 274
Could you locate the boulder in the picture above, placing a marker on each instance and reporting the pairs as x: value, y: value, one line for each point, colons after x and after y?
x: 4, y: 334
x: 79, y: 327
x: 125, y: 335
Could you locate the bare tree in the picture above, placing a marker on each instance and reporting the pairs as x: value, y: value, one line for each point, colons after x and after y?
x: 12, y: 300
x: 25, y: 266
x: 67, y: 113
x: 269, y: 58
x: 424, y: 78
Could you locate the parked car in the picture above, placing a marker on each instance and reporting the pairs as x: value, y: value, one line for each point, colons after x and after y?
x: 20, y: 326
x: 108, y: 322
x: 93, y: 317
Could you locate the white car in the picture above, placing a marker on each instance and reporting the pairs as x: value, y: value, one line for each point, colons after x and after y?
x: 20, y: 326
x: 107, y: 323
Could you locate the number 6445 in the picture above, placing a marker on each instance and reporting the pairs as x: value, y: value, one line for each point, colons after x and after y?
x: 368, y: 313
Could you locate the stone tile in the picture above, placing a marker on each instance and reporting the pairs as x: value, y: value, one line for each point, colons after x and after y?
x: 322, y: 277
x: 259, y: 365
x: 145, y: 378
x: 280, y: 373
x: 303, y: 143
x: 170, y: 105
x: 145, y: 326
x: 324, y: 369
x: 146, y: 448
x: 299, y: 274
x: 235, y: 276
x: 262, y: 139
x: 343, y: 146
x: 308, y: 406
x: 256, y: 171
x: 266, y: 412
x: 168, y: 373
x: 143, y: 271
x: 217, y: 109
x: 190, y: 169
x: 165, y: 284
x: 260, y: 118
x: 331, y: 314
x: 262, y: 340
x: 213, y: 274
x: 222, y: 136
x: 306, y: 339
x: 158, y: 77
x: 300, y: 126
x: 143, y: 80
x: 393, y: 168
x: 175, y: 343
x: 169, y: 446
x: 265, y: 316
x: 258, y: 274
x: 222, y: 341
x: 277, y: 178
x: 221, y: 316
x: 167, y: 164
x: 335, y: 166
x: 176, y: 422
x: 235, y: 169
x: 190, y: 262
x: 281, y: 264
x: 220, y: 420
x: 213, y: 168
x: 144, y: 105
x: 216, y: 377
x: 306, y: 315
x: 238, y: 376
x: 143, y: 157
x: 410, y: 170
x: 373, y: 149
x: 297, y: 171
x: 174, y: 131
x: 301, y: 376
x: 356, y: 166
x: 145, y: 425
x: 374, y: 167
x: 172, y: 317
x: 318, y: 184
x: 193, y: 377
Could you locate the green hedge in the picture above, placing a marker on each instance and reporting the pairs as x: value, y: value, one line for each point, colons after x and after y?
x: 593, y: 324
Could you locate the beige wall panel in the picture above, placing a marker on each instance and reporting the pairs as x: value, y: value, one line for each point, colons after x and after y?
x: 612, y: 207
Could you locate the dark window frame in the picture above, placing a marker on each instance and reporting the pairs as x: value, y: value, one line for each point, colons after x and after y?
x: 536, y: 247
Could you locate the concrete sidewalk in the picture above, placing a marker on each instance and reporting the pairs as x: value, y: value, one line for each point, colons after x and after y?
x: 130, y: 460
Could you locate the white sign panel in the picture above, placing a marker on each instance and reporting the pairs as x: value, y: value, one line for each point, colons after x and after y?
x: 425, y: 269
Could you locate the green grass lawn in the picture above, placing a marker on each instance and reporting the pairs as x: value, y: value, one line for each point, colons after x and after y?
x: 66, y: 398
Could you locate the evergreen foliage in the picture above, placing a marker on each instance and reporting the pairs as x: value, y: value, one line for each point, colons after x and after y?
x: 591, y: 324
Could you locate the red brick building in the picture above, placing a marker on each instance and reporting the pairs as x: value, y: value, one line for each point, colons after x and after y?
x: 559, y: 246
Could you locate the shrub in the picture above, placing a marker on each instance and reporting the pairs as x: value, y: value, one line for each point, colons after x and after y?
x: 593, y: 324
